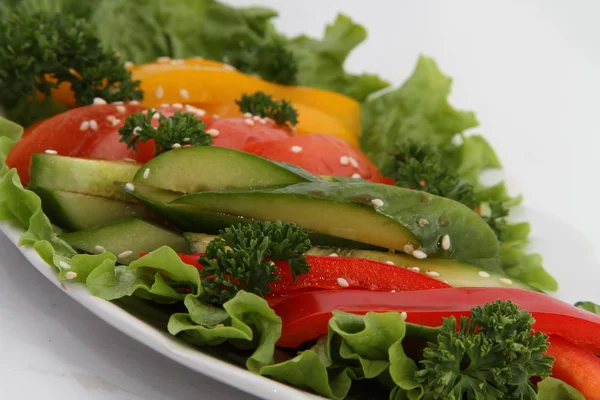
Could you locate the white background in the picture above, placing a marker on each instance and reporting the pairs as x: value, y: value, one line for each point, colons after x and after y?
x: 530, y: 71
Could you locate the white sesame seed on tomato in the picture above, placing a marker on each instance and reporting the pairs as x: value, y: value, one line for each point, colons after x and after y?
x: 403, y: 315
x: 85, y: 125
x: 342, y: 282
x: 344, y: 160
x: 134, y: 102
x: 213, y: 132
x: 51, y: 152
x: 121, y: 109
x: 248, y: 115
x: 115, y: 122
x: 296, y: 149
x: 93, y: 125
x: 156, y: 116
x: 98, y: 101
x: 249, y: 122
x: 333, y: 255
x: 353, y: 162
x: 356, y: 176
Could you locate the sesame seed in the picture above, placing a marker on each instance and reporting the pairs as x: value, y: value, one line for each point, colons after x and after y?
x: 85, y: 125
x: 213, y: 132
x: 484, y: 274
x: 420, y: 254
x: 353, y: 162
x: 409, y: 248
x: 415, y: 269
x: 110, y: 118
x: 249, y: 122
x: 176, y: 146
x: 134, y: 102
x: 403, y: 315
x: 215, y: 116
x: 156, y: 116
x: 163, y: 60
x: 333, y: 255
x: 446, y: 282
x: 422, y: 222
x: 146, y: 173
x: 117, y: 102
x: 125, y: 254
x: 247, y: 115
x: 257, y: 118
x: 344, y: 160
x: 393, y: 291
x: 121, y: 109
x: 201, y: 113
x: 115, y: 122
x: 51, y: 152
x: 130, y: 187
x: 93, y: 124
x: 127, y: 159
x: 64, y: 265
x: 432, y: 273
x: 389, y: 262
x: 445, y: 242
x: 263, y: 121
x: 296, y: 149
x: 506, y: 281
x: 186, y: 139
x: 177, y: 62
x: 177, y: 105
x: 342, y: 282
x: 356, y: 176
x: 71, y: 275
x: 99, y: 101
x: 128, y: 64
x: 99, y: 249
x: 190, y: 108
x: 159, y: 93
x: 137, y: 130
x: 377, y: 202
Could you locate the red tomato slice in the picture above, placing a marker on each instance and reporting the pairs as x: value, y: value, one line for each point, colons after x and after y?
x: 238, y: 133
x: 321, y: 155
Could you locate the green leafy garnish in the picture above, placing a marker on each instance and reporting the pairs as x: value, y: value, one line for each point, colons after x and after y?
x: 242, y: 258
x: 262, y: 104
x: 588, y: 306
x: 40, y: 51
x: 493, y: 354
x: 272, y: 62
x: 495, y: 213
x: 181, y: 129
x: 419, y: 166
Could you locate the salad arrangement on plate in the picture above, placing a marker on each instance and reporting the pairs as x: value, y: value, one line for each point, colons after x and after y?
x: 247, y: 187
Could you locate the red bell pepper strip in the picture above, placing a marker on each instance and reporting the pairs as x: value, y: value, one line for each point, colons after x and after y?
x: 305, y: 316
x: 341, y: 273
x: 576, y: 366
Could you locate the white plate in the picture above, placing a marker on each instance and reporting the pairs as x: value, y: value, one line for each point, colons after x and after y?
x: 157, y: 340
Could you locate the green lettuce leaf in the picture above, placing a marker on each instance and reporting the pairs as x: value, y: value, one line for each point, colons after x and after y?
x: 554, y: 389
x: 160, y: 276
x: 246, y: 319
x: 588, y: 306
x: 321, y: 62
x: 418, y: 110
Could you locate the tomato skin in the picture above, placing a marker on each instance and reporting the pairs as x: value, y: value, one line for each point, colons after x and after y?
x: 321, y: 155
x: 62, y: 134
x: 576, y: 366
x: 241, y: 132
x: 305, y: 316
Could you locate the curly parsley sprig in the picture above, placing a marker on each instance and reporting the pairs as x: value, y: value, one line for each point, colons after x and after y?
x: 40, y: 51
x: 242, y: 256
x: 262, y: 104
x: 172, y: 132
x: 493, y: 354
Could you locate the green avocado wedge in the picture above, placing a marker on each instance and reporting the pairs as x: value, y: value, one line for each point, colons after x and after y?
x: 376, y: 214
x: 209, y: 168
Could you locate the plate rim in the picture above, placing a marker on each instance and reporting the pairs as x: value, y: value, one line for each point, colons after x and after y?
x: 156, y: 340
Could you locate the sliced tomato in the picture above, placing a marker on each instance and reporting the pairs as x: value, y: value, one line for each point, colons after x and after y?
x: 241, y: 132
x: 576, y: 366
x: 321, y: 155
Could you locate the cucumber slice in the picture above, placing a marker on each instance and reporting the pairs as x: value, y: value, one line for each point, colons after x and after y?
x: 126, y: 239
x: 81, y: 175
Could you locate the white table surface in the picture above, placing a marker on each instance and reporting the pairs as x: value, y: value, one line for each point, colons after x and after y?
x: 530, y: 71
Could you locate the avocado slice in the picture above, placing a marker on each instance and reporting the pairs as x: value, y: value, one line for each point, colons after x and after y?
x: 126, y: 239
x: 209, y: 168
x: 206, y: 221
x: 453, y: 272
x: 380, y: 215
x: 81, y: 175
x: 76, y: 211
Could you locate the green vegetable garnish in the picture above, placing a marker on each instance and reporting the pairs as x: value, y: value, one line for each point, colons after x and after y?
x: 259, y: 103
x: 173, y: 132
x: 588, y: 306
x: 495, y: 214
x: 40, y: 51
x: 419, y: 166
x: 493, y: 354
x: 242, y: 256
x: 272, y: 62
